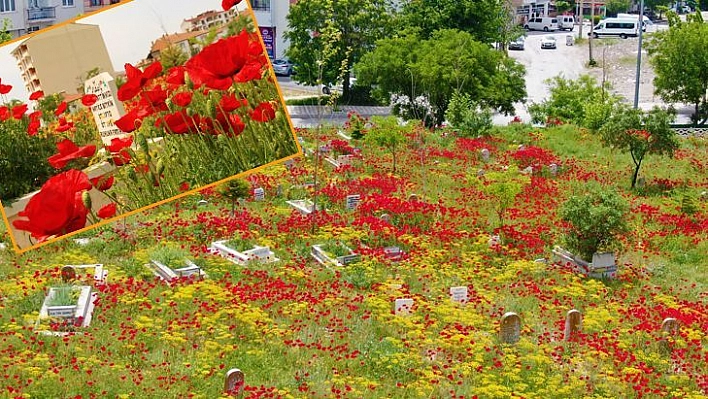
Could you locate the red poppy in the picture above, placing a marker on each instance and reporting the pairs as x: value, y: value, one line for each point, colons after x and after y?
x: 137, y: 80
x: 177, y: 122
x: 107, y: 211
x: 57, y: 208
x: 103, y: 182
x: 182, y: 99
x: 154, y: 100
x: 4, y: 113
x: 129, y: 121
x: 89, y: 100
x: 228, y: 4
x: 33, y: 127
x: 264, y: 112
x: 229, y: 103
x: 64, y: 125
x: 34, y: 116
x: 251, y: 71
x: 176, y: 76
x: 184, y: 186
x: 217, y: 64
x: 36, y: 95
x: 60, y: 109
x: 69, y: 151
x: 18, y: 111
x: 142, y: 169
x: 4, y: 89
x: 230, y: 124
x: 119, y: 150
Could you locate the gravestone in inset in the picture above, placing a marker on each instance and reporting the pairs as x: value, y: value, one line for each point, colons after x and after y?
x: 235, y: 382
x: 403, y: 306
x: 510, y: 328
x: 459, y: 294
x: 573, y: 324
x: 68, y: 274
x: 107, y: 109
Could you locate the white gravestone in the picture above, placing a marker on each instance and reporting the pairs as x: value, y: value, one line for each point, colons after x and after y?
x: 403, y: 306
x: 234, y: 382
x: 386, y: 218
x: 573, y: 324
x: 670, y: 326
x: 485, y: 154
x: 259, y: 194
x: 459, y: 294
x: 353, y: 201
x: 553, y: 169
x: 107, y: 108
x: 510, y: 328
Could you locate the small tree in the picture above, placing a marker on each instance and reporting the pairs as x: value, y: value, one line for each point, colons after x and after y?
x: 562, y: 6
x: 388, y: 134
x: 596, y: 220
x: 173, y: 56
x: 5, y: 35
x: 235, y: 190
x: 503, y: 187
x: 631, y: 130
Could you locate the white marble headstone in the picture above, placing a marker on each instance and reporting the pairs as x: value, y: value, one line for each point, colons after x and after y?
x: 403, y: 306
x: 353, y: 201
x: 459, y: 294
x: 259, y: 194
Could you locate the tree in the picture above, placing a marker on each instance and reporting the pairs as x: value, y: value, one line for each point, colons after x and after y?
x: 596, y: 219
x: 327, y: 37
x: 388, y: 134
x: 503, y: 187
x: 563, y: 6
x: 5, y: 35
x: 639, y: 133
x: 172, y: 56
x: 680, y: 60
x: 480, y: 18
x: 450, y: 61
x: 235, y: 190
x: 614, y: 7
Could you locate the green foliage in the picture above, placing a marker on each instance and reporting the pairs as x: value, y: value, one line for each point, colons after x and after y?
x: 582, y: 102
x: 47, y: 105
x: 463, y: 114
x: 23, y: 160
x: 616, y: 6
x: 172, y: 56
x: 169, y: 256
x: 640, y: 134
x: 562, y: 6
x: 450, y: 61
x: 388, y: 134
x: 596, y: 219
x: 503, y: 187
x: 235, y: 189
x: 679, y: 58
x: 64, y: 295
x: 5, y: 35
x: 328, y: 37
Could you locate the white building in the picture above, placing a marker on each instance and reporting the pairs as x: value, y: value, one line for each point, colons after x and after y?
x: 27, y: 16
x: 271, y: 17
x: 210, y: 19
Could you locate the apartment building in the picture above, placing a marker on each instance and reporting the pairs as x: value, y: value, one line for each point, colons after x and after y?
x: 211, y: 19
x: 271, y: 17
x: 55, y: 61
x: 28, y: 16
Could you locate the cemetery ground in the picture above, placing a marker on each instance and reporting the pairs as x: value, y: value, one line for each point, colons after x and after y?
x: 305, y: 327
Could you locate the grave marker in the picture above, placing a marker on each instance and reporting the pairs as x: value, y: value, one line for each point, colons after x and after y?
x: 553, y: 169
x: 412, y: 198
x: 521, y: 147
x: 403, y: 306
x: 670, y: 326
x: 68, y: 274
x: 386, y: 217
x: 528, y: 170
x: 480, y: 173
x: 279, y: 190
x: 289, y: 163
x: 259, y: 194
x: 510, y: 328
x: 235, y: 382
x: 494, y: 241
x: 202, y: 202
x: 107, y: 109
x: 459, y: 294
x: 353, y: 201
x: 573, y: 324
x: 485, y: 154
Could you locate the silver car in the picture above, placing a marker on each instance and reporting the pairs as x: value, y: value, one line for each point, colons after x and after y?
x: 517, y: 44
x: 548, y: 42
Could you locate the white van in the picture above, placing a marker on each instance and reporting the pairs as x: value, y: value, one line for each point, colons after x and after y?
x: 623, y: 28
x: 542, y: 23
x: 646, y: 20
x: 566, y: 22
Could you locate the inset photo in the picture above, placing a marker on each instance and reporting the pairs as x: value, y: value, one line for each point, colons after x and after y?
x: 118, y: 111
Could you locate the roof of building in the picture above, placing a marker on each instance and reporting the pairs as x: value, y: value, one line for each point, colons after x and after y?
x: 205, y: 14
x: 168, y: 40
x: 60, y: 30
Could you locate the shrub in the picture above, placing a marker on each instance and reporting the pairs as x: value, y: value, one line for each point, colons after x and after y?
x: 465, y: 115
x: 596, y: 220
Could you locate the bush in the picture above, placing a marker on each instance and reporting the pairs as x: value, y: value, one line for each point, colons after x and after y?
x: 23, y: 160
x: 596, y: 220
x: 469, y: 119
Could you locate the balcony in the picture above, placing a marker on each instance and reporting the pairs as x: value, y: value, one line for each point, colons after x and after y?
x: 41, y: 14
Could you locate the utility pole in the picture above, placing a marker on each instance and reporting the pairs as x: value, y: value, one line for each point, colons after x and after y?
x: 591, y: 62
x: 580, y: 13
x: 639, y: 54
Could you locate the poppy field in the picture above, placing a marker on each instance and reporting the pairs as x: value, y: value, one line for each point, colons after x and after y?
x: 184, y: 127
x: 300, y: 327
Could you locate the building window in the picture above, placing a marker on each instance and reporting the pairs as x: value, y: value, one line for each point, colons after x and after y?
x: 7, y: 5
x: 261, y: 5
x: 32, y: 29
x: 96, y: 3
x: 67, y: 3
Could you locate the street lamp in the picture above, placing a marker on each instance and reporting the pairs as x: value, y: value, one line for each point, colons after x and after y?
x: 639, y: 54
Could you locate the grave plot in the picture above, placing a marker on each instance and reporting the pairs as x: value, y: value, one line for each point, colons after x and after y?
x: 242, y: 251
x: 334, y: 254
x: 170, y: 264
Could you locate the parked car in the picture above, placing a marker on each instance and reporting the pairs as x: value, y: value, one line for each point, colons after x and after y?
x: 517, y: 44
x: 548, y: 42
x: 283, y: 67
x: 623, y: 28
x: 566, y: 22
